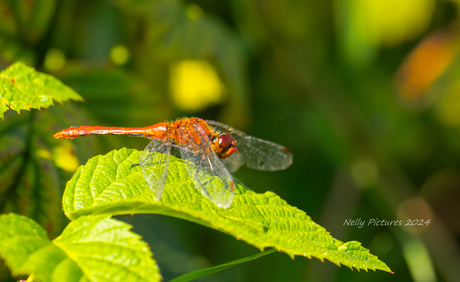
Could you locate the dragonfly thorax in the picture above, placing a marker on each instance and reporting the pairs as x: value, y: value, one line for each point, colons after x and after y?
x: 190, y: 133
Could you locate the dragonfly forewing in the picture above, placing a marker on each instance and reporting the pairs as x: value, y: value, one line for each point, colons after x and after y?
x: 264, y: 155
x: 256, y: 153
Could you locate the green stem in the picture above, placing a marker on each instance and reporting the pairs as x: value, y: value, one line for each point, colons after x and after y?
x: 208, y: 271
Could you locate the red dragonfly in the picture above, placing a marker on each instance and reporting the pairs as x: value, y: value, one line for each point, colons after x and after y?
x: 213, y: 149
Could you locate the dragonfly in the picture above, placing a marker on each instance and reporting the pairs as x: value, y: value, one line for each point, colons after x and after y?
x: 210, y: 149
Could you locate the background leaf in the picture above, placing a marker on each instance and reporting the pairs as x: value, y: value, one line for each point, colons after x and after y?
x: 104, y: 249
x: 112, y: 184
x: 94, y: 248
x: 29, y: 179
x: 27, y: 20
x: 19, y: 238
x: 22, y: 88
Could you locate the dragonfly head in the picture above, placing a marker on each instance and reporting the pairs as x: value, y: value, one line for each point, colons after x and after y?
x: 224, y: 145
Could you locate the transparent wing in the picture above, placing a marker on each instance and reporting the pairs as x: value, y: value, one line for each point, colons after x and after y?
x: 154, y: 163
x: 208, y: 173
x: 210, y: 176
x: 233, y: 162
x: 256, y: 153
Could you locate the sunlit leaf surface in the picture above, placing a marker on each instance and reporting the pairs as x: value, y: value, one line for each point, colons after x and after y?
x: 23, y: 88
x: 113, y: 184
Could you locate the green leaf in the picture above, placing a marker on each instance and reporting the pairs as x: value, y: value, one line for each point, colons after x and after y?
x: 113, y: 184
x: 23, y: 88
x: 89, y: 249
x: 208, y: 271
x: 105, y: 250
x: 19, y: 238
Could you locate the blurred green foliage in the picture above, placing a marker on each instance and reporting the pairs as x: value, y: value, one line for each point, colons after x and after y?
x: 364, y: 93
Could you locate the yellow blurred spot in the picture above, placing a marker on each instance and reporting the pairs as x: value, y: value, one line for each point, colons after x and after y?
x: 425, y: 64
x: 194, y: 85
x: 54, y: 60
x: 64, y: 156
x: 45, y: 154
x: 194, y: 12
x: 389, y: 22
x: 448, y: 107
x: 119, y: 55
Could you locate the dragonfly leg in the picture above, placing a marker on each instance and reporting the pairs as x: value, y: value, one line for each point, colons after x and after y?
x: 134, y: 165
x: 210, y: 164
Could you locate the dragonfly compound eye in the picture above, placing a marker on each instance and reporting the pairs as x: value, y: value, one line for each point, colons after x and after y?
x: 225, y: 141
x: 224, y: 145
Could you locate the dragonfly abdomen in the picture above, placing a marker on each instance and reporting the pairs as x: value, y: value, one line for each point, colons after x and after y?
x: 154, y: 131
